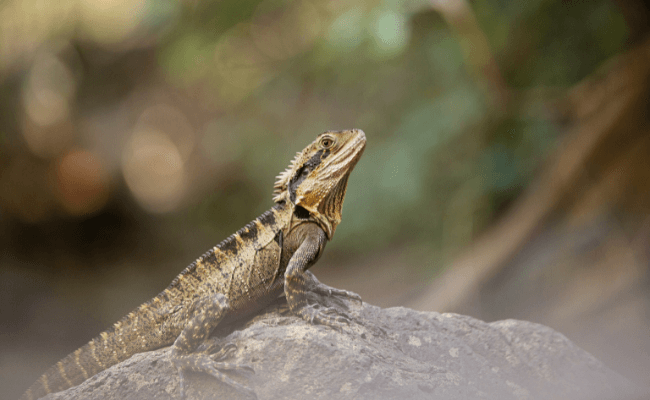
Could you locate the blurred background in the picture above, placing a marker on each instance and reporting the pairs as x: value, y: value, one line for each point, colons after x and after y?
x: 506, y: 173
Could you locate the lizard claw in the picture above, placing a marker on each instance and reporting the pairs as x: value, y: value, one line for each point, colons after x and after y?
x: 181, y: 383
x: 204, y: 363
x: 346, y: 294
x: 324, y: 316
x: 224, y: 352
x: 317, y: 286
x: 334, y: 292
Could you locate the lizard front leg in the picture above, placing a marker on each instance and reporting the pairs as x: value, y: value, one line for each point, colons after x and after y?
x: 298, y: 281
x: 209, y: 311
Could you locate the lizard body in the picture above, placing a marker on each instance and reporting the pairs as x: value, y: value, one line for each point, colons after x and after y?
x: 239, y: 276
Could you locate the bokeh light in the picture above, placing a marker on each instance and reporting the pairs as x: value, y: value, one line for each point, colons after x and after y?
x: 154, y: 170
x: 110, y: 21
x: 81, y: 182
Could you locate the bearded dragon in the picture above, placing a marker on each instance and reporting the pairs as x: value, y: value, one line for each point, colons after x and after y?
x: 237, y: 277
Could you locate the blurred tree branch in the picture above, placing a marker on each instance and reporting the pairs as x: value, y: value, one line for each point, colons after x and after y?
x: 637, y: 18
x: 606, y: 123
x: 478, y: 57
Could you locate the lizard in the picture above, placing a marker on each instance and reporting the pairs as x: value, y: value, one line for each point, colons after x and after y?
x: 241, y: 275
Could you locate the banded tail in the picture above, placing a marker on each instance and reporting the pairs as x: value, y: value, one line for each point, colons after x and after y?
x: 109, y: 348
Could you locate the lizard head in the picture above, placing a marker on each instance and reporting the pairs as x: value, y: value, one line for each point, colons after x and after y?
x: 316, y: 180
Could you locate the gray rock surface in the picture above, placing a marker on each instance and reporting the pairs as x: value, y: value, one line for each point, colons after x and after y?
x: 394, y: 353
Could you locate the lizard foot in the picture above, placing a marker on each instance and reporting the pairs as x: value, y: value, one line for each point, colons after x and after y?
x: 207, y: 364
x: 334, y: 292
x: 325, y: 316
x: 320, y: 288
x: 217, y: 351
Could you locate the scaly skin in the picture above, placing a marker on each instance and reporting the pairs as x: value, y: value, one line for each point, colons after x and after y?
x: 239, y: 276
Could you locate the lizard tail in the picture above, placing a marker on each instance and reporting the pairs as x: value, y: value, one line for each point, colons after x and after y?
x: 70, y: 371
x: 112, y: 346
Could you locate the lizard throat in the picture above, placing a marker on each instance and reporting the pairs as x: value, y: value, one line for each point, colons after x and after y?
x: 332, y: 205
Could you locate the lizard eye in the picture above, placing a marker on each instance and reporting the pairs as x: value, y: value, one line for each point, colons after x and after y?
x: 326, y: 142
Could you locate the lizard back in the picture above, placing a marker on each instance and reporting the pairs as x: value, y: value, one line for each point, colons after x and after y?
x: 231, y: 268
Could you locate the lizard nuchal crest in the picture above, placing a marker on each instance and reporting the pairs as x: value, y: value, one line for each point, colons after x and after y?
x: 237, y: 277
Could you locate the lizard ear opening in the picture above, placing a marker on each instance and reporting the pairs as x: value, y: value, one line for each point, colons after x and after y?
x: 301, y: 212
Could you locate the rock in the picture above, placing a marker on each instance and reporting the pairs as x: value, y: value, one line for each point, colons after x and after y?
x: 394, y: 353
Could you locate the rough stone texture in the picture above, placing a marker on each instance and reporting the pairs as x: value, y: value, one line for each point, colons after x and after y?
x: 394, y: 353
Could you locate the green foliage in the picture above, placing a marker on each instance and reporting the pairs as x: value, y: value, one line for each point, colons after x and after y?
x: 547, y: 42
x: 262, y: 77
x: 439, y: 161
